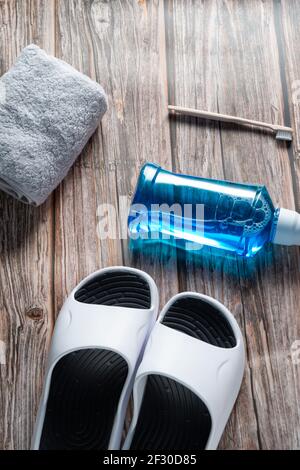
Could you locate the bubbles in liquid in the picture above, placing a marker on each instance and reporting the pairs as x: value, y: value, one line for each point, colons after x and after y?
x: 240, y: 214
x: 263, y: 214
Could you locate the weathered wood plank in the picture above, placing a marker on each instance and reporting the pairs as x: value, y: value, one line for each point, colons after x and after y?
x: 219, y: 61
x: 120, y: 44
x: 26, y: 240
x: 287, y: 15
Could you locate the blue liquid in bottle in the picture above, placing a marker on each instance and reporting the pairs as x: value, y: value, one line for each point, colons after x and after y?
x: 190, y: 212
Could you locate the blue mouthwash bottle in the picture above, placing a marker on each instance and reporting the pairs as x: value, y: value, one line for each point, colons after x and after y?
x: 190, y: 212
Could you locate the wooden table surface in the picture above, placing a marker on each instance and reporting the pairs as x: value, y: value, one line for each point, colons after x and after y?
x: 229, y: 56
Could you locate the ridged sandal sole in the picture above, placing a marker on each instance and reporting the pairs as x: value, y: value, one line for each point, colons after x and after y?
x: 86, y: 384
x: 172, y: 417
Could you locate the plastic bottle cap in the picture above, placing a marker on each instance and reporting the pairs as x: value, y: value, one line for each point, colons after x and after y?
x: 288, y: 228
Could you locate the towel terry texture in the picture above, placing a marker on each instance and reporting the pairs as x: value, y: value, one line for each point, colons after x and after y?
x: 48, y: 112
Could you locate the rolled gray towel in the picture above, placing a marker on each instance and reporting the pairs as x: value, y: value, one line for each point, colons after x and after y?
x: 48, y: 112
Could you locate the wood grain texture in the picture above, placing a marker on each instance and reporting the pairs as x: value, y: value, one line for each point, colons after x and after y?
x: 26, y: 316
x: 229, y: 69
x: 221, y: 55
x: 120, y: 44
x: 287, y: 16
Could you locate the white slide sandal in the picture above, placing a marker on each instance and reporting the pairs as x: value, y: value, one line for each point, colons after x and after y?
x: 98, y: 340
x: 189, y: 378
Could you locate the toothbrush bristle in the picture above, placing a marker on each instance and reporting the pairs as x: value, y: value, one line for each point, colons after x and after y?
x: 284, y: 135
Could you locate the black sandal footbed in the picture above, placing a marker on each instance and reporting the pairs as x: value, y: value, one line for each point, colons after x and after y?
x: 171, y: 416
x: 119, y: 288
x: 86, y: 384
x: 85, y: 390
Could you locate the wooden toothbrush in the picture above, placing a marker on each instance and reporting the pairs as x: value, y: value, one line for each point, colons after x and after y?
x: 281, y: 132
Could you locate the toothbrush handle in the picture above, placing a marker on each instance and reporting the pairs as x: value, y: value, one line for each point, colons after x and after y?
x: 225, y: 118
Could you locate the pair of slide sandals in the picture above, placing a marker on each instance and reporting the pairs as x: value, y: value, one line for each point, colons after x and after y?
x: 185, y: 370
